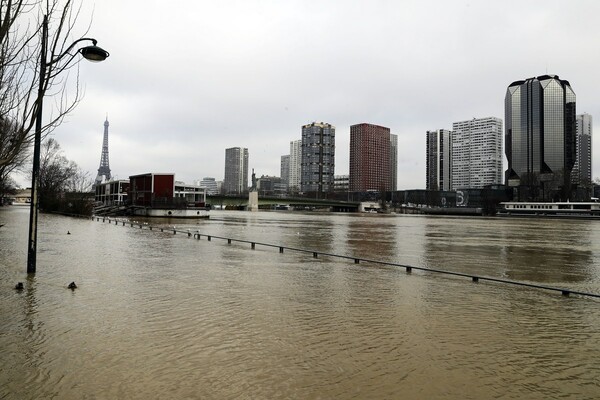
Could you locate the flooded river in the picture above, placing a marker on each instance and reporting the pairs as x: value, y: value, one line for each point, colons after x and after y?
x: 158, y: 315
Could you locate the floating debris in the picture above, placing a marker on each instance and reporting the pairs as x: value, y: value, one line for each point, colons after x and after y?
x: 19, y: 286
x: 72, y: 286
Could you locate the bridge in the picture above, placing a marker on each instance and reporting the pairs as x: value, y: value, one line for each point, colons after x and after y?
x: 269, y: 202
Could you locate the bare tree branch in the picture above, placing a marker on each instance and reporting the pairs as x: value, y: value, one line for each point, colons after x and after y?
x: 20, y: 44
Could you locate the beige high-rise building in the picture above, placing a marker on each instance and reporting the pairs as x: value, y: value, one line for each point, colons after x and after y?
x: 476, y: 153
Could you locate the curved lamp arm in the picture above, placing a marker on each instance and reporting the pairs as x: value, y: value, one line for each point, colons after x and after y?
x: 92, y: 53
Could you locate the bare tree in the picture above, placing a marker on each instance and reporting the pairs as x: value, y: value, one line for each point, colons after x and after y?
x: 20, y: 91
x: 55, y: 172
x: 9, y: 133
x: 80, y: 182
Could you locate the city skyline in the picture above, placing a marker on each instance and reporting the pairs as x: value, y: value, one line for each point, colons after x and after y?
x: 226, y: 69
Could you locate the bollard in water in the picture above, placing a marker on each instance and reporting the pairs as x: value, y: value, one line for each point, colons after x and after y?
x: 566, y: 293
x: 475, y: 279
x: 315, y: 255
x: 228, y: 241
x: 162, y: 230
x: 281, y: 249
x: 253, y: 245
x: 174, y: 232
x: 409, y: 269
x: 356, y: 261
x: 208, y: 238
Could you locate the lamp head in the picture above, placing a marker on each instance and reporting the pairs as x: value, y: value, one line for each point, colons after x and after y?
x: 94, y: 53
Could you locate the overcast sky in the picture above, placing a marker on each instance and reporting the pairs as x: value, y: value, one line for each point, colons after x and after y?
x: 187, y: 79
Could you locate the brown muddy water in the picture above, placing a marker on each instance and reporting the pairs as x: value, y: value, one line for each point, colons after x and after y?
x: 164, y: 316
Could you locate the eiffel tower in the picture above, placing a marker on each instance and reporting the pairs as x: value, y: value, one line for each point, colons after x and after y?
x: 104, y: 169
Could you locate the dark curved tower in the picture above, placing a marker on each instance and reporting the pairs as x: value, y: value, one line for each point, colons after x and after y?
x: 104, y: 169
x: 540, y: 136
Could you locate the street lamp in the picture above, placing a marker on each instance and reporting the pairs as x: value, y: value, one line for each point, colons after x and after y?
x: 92, y: 53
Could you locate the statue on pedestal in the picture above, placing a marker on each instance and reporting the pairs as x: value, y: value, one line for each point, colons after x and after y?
x: 253, y: 188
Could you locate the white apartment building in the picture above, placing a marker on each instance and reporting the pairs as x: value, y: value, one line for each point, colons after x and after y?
x: 295, y: 166
x: 477, y: 153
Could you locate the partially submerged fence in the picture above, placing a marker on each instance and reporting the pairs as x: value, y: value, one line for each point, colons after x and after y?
x: 357, y: 260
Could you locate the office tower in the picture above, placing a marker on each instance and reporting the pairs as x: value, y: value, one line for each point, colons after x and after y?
x: 370, y: 158
x: 582, y: 170
x: 285, y: 170
x: 394, y: 162
x: 318, y: 158
x: 540, y: 136
x: 476, y: 153
x: 438, y: 160
x: 295, y: 165
x: 341, y: 183
x: 104, y: 169
x: 210, y: 184
x: 236, y: 170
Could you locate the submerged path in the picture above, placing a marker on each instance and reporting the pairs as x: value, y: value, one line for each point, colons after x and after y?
x: 315, y: 254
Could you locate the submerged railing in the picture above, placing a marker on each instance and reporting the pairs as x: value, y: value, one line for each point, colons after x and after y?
x: 357, y: 260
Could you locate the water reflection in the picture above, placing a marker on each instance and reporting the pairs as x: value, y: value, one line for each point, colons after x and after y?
x: 371, y: 238
x: 541, y: 251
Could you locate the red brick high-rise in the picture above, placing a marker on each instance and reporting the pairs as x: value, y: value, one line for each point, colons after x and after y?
x: 370, y: 167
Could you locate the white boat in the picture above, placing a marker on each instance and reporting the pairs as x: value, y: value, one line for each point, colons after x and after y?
x: 559, y: 209
x: 190, y: 212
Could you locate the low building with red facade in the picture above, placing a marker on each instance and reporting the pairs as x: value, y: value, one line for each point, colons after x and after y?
x: 159, y: 195
x: 152, y: 190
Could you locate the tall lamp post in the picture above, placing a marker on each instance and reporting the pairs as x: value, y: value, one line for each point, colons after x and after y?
x: 92, y: 53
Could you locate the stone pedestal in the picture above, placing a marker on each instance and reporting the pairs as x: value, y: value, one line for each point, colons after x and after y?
x: 253, y: 201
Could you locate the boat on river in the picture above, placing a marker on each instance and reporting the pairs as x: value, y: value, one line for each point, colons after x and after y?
x: 564, y: 209
x: 166, y: 212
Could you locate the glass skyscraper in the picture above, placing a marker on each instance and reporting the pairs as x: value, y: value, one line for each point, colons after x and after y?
x: 540, y: 133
